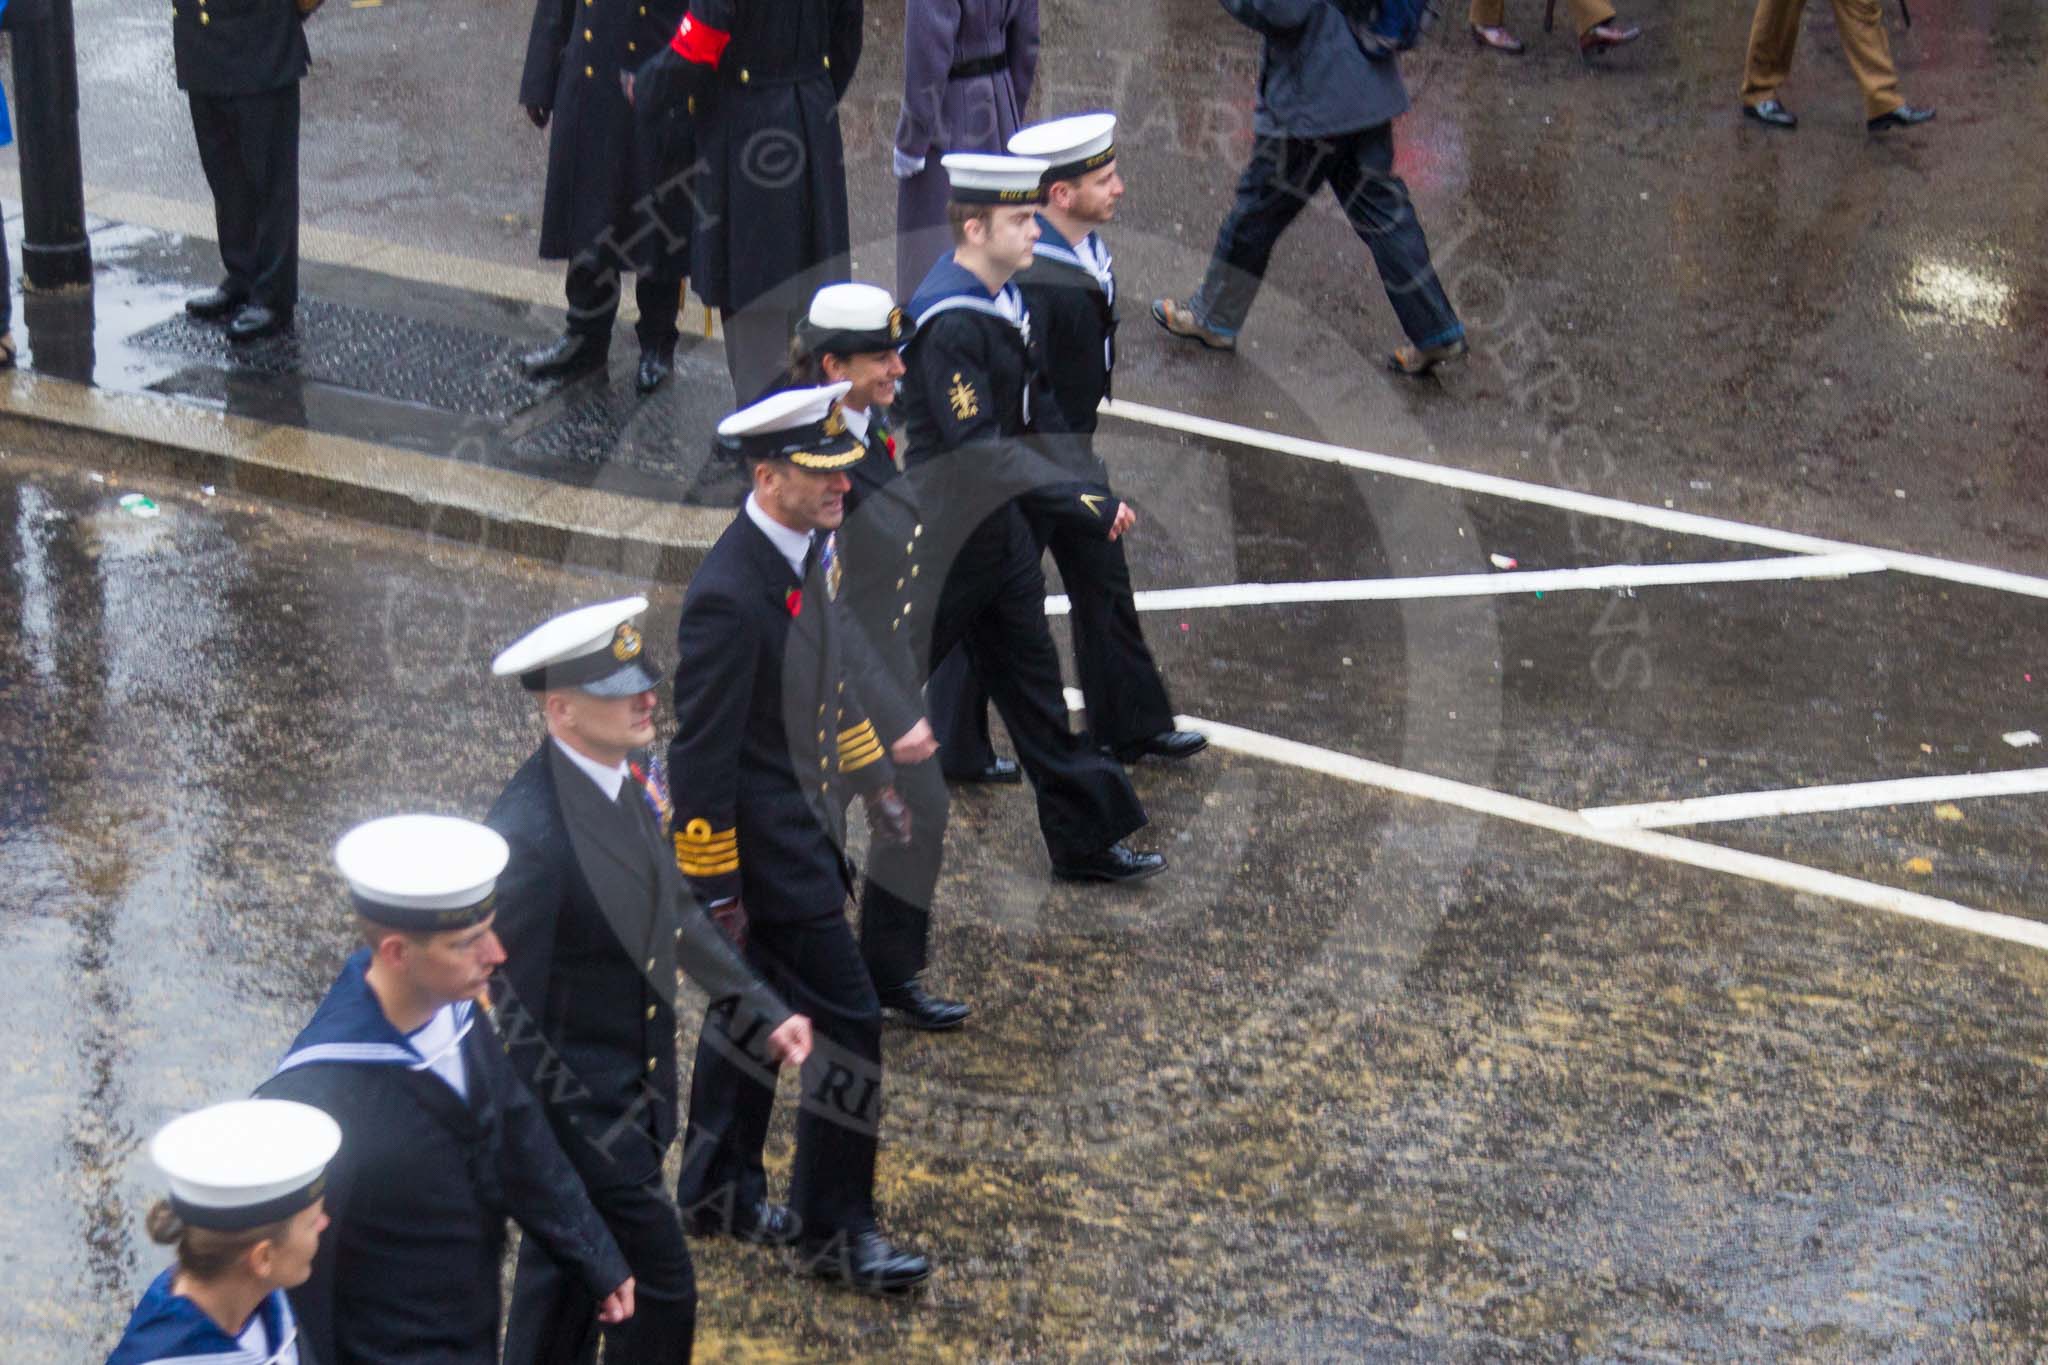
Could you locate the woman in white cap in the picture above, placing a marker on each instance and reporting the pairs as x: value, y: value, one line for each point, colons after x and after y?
x: 245, y: 1216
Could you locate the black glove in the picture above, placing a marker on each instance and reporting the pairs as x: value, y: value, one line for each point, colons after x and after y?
x: 888, y: 817
x: 539, y: 113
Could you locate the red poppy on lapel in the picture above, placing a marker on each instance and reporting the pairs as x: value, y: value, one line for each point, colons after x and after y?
x: 794, y: 600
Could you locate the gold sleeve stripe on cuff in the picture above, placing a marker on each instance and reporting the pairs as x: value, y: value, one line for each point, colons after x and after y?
x: 855, y: 764
x: 853, y: 744
x: 693, y: 868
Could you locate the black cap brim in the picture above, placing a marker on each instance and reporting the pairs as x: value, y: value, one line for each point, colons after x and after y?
x: 636, y: 677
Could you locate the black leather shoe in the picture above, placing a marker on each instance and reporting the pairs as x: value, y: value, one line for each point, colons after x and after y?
x: 1171, y: 745
x: 1002, y: 770
x: 921, y: 1011
x: 213, y: 305
x: 573, y: 353
x: 865, y: 1262
x: 1905, y: 116
x: 1117, y: 863
x: 254, y: 322
x: 655, y: 366
x: 764, y: 1225
x: 1772, y: 113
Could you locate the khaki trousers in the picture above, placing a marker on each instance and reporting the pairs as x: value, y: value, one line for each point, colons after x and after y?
x: 1776, y: 30
x: 1585, y: 14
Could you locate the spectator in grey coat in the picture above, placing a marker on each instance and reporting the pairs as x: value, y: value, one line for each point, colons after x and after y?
x: 967, y: 69
x: 1325, y: 114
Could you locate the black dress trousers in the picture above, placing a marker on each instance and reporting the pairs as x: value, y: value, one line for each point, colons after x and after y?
x: 249, y: 149
x: 1120, y: 682
x: 593, y: 294
x: 995, y: 608
x: 895, y: 901
x: 958, y: 705
x: 816, y: 967
x: 554, y: 1316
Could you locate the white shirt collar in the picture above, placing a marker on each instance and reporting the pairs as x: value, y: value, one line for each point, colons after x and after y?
x: 608, y: 780
x: 856, y: 422
x: 794, y: 545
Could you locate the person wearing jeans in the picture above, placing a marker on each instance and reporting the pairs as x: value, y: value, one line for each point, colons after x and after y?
x: 1325, y: 116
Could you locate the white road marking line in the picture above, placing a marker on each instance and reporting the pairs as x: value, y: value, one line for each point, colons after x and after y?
x: 1669, y: 847
x: 1686, y: 523
x: 1904, y: 791
x: 1498, y: 584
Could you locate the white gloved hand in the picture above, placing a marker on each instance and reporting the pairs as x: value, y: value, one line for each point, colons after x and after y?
x: 905, y: 166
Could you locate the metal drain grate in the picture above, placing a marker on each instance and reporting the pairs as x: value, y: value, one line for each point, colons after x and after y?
x: 454, y: 369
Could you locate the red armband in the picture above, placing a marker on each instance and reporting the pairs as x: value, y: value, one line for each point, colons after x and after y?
x: 699, y: 43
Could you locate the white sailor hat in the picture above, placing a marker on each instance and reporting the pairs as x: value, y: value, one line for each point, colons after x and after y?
x: 246, y: 1163
x: 802, y: 426
x: 1074, y: 146
x: 593, y: 649
x: 854, y: 319
x: 985, y: 178
x: 422, y: 873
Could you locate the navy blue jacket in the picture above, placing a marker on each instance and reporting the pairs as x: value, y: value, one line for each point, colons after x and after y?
x: 409, y: 1268
x: 595, y: 921
x: 1314, y: 78
x: 769, y: 741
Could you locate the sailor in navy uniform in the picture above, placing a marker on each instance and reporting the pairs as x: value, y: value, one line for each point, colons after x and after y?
x: 441, y: 1141
x: 851, y: 333
x: 595, y: 922
x: 972, y: 398
x: 1070, y: 291
x: 769, y: 740
x: 245, y: 1215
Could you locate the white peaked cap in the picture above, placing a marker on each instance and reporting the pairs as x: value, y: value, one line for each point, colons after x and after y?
x: 785, y: 410
x: 592, y: 648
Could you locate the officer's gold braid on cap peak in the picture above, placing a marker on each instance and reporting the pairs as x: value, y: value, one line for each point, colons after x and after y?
x: 702, y: 853
x: 858, y: 747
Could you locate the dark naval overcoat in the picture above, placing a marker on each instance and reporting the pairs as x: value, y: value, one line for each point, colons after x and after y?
x: 616, y: 184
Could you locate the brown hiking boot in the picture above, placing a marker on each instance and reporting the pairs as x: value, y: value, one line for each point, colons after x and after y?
x: 1179, y: 319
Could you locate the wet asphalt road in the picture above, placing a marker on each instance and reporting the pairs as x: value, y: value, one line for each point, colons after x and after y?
x: 1366, y: 1077
x: 1363, y: 1078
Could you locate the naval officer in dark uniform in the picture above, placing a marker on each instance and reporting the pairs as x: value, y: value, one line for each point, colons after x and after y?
x: 617, y: 197
x: 764, y: 81
x: 769, y: 740
x: 595, y: 922
x: 239, y: 63
x: 440, y: 1139
x: 850, y: 335
x: 1070, y: 292
x: 976, y: 410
